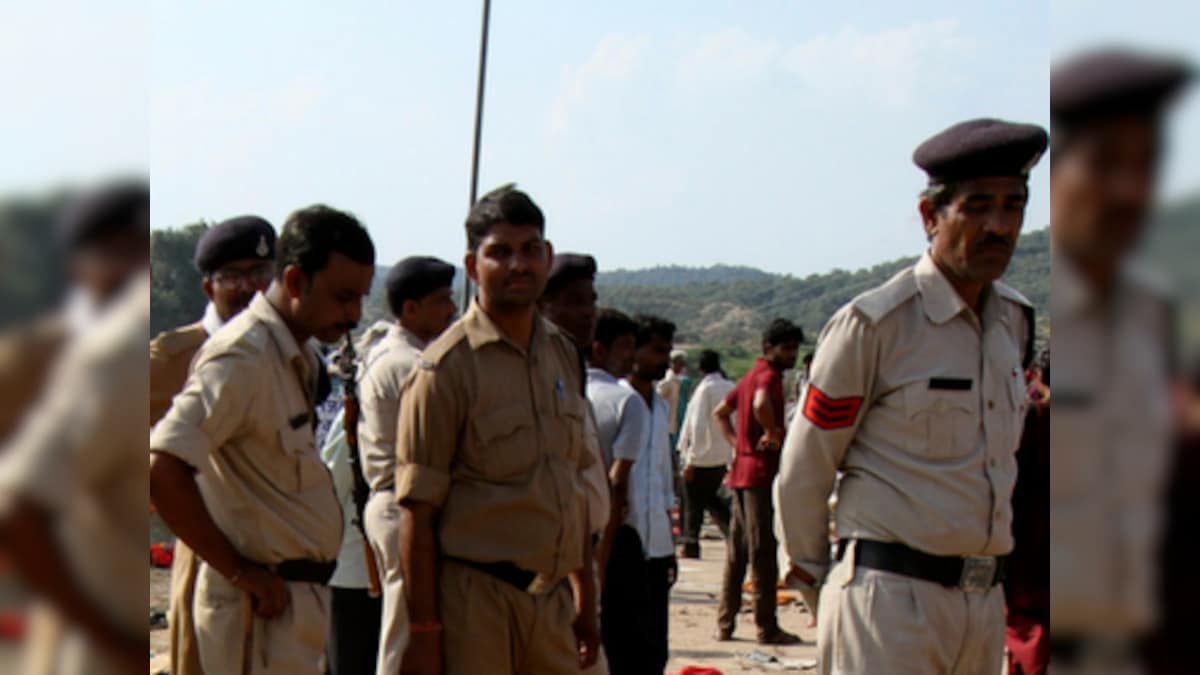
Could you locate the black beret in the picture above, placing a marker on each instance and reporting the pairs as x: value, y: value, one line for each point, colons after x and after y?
x: 568, y: 267
x: 1114, y: 80
x: 103, y: 211
x: 415, y: 277
x: 240, y: 238
x: 981, y: 147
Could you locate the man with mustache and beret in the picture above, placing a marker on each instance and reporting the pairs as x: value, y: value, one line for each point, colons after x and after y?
x: 917, y: 397
x: 237, y: 258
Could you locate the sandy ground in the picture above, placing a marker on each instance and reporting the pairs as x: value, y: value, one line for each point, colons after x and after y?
x: 693, y: 619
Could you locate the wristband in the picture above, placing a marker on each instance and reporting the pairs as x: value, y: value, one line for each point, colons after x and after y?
x: 424, y: 627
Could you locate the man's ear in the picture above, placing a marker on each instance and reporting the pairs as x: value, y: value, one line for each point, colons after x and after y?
x: 928, y: 217
x: 207, y: 284
x: 549, y: 254
x: 469, y: 265
x: 294, y: 281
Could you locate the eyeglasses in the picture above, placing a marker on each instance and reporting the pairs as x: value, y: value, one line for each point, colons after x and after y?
x: 254, y: 276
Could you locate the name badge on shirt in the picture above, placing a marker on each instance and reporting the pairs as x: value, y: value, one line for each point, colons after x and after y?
x: 950, y: 383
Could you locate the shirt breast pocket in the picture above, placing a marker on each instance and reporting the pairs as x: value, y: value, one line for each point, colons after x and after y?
x: 943, y: 422
x: 571, y: 419
x: 302, y: 468
x: 505, y: 447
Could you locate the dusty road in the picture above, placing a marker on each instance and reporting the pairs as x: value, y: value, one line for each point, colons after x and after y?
x: 693, y: 620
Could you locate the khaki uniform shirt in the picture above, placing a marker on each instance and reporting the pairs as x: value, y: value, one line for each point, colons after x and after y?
x: 493, y: 435
x: 244, y: 422
x: 1111, y: 450
x: 78, y: 456
x: 171, y: 354
x: 385, y: 368
x: 27, y: 357
x: 920, y: 402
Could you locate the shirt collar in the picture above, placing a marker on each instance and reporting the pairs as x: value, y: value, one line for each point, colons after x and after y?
x: 305, y: 360
x: 212, y: 321
x: 481, y: 330
x: 939, y: 299
x: 600, y: 375
x: 409, y: 337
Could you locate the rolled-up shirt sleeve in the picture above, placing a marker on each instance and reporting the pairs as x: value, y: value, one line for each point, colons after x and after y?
x: 837, y: 399
x: 427, y: 435
x: 209, y: 411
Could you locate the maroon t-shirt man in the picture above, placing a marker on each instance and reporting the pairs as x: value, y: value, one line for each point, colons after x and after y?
x: 752, y: 467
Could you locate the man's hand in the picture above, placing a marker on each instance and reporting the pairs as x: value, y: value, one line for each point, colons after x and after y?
x: 268, y: 592
x: 672, y: 571
x: 797, y: 573
x: 771, y: 441
x: 424, y: 654
x: 587, y: 639
x: 689, y: 472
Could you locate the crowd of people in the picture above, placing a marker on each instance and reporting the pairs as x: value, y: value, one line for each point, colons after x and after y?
x: 523, y: 460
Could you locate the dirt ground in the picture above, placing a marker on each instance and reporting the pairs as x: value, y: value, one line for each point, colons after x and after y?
x: 693, y: 620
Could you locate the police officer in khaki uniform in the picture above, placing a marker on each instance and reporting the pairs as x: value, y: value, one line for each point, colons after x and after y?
x: 1112, y: 429
x: 917, y: 396
x: 419, y: 295
x: 234, y: 471
x: 236, y: 258
x: 71, y: 471
x: 569, y: 302
x: 489, y: 453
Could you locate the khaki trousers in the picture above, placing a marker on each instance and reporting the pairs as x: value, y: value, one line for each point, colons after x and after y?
x: 292, y: 643
x: 381, y: 519
x: 880, y: 623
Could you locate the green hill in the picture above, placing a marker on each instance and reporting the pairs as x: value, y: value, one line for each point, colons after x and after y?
x: 730, y: 306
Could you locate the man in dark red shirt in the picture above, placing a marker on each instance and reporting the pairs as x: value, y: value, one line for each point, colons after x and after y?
x: 758, y: 402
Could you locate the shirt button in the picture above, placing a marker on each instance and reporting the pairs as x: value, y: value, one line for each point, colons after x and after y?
x: 991, y: 405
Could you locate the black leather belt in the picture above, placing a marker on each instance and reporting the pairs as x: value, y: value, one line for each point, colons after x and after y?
x: 508, y: 573
x: 965, y: 572
x: 306, y: 571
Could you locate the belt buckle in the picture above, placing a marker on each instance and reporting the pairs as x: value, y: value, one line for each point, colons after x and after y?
x: 978, y: 573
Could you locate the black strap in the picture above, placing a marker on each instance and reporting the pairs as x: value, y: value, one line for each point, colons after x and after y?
x: 504, y: 571
x: 1031, y: 319
x: 900, y: 559
x: 306, y: 571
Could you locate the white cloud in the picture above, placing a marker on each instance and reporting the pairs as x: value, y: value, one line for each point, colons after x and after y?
x: 889, y: 66
x: 730, y: 54
x: 614, y: 59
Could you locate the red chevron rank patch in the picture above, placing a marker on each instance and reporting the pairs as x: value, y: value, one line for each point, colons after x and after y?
x: 830, y: 413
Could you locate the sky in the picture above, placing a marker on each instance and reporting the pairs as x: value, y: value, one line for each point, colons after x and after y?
x: 772, y: 134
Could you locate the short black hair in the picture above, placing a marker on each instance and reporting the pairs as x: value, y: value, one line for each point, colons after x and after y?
x: 710, y: 361
x: 649, y: 325
x: 807, y: 358
x: 1043, y: 365
x: 612, y: 324
x: 505, y: 204
x: 311, y: 235
x: 782, y: 331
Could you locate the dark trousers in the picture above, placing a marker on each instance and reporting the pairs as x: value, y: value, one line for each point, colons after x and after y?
x: 634, y: 608
x: 354, y: 631
x: 751, y: 542
x: 703, y: 493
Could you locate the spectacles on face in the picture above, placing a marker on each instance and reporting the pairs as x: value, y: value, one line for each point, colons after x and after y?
x: 251, y: 276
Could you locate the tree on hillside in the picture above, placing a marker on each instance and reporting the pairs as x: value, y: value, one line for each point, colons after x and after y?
x: 176, y: 297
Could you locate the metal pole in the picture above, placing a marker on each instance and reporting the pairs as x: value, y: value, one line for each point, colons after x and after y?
x: 483, y: 42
